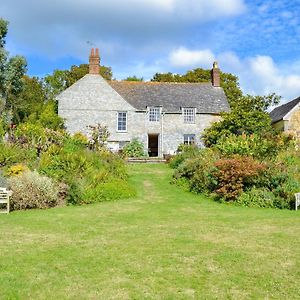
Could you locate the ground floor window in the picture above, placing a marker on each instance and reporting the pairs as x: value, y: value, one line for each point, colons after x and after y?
x: 122, y: 121
x: 189, y: 139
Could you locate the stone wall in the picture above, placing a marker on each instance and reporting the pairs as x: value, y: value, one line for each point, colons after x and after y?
x: 293, y: 125
x: 82, y: 105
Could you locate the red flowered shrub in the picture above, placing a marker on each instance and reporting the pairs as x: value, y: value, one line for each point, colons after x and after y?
x: 234, y: 175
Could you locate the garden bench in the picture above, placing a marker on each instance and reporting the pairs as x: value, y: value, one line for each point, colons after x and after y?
x: 4, y: 199
x: 297, y: 201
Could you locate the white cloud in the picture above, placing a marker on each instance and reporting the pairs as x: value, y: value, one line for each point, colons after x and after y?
x: 267, y: 77
x: 258, y: 75
x: 183, y: 57
x: 54, y: 27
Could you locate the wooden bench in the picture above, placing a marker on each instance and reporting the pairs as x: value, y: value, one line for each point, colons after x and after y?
x: 4, y: 200
x: 297, y: 201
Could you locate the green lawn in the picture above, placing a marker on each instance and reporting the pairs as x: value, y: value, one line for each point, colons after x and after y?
x: 164, y: 244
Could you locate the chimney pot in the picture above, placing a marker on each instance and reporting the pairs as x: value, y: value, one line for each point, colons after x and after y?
x: 94, y: 62
x: 215, y: 75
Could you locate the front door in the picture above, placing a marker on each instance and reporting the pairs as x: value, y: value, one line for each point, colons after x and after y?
x: 153, y: 145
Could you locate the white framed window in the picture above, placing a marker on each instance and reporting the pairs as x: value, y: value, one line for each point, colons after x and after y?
x: 189, y: 139
x: 189, y: 115
x: 122, y: 121
x: 154, y: 114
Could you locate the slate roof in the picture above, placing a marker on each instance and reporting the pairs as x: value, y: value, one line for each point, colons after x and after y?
x: 173, y: 96
x: 278, y: 113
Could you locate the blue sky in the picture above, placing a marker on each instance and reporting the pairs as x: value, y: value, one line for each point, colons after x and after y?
x: 257, y: 40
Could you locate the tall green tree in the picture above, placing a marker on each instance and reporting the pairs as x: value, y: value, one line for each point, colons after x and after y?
x: 12, y: 70
x: 29, y: 101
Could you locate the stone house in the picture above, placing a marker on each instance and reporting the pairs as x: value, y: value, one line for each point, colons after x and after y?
x: 286, y: 117
x: 161, y: 115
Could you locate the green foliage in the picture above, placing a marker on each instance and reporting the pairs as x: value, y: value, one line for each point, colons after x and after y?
x: 49, y: 118
x: 197, y: 171
x: 134, y: 78
x: 248, y: 115
x: 12, y: 70
x: 257, y: 197
x: 185, y: 151
x: 258, y: 146
x: 91, y: 175
x: 31, y: 190
x: 134, y: 149
x: 11, y: 154
x: 3, y: 127
x: 35, y: 136
x: 30, y: 100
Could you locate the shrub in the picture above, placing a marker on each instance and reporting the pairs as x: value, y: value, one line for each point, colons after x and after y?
x: 134, y: 149
x: 11, y: 154
x: 233, y: 175
x: 34, y: 136
x: 185, y: 152
x: 197, y: 171
x: 89, y: 174
x: 258, y: 146
x: 31, y: 190
x: 257, y: 197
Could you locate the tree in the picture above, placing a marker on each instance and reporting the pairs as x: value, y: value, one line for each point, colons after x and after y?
x: 134, y: 78
x: 29, y: 101
x: 12, y: 70
x: 248, y: 115
x: 62, y: 79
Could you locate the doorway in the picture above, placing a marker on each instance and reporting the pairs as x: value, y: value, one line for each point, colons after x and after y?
x: 153, y: 145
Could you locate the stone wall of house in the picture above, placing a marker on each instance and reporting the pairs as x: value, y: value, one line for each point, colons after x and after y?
x: 82, y: 105
x: 293, y: 125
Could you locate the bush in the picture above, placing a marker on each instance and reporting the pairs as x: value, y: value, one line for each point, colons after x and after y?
x: 134, y: 149
x: 91, y: 175
x: 35, y: 136
x: 197, y: 171
x: 234, y: 175
x: 31, y: 190
x: 11, y: 154
x: 185, y: 152
x: 257, y: 197
x: 258, y: 146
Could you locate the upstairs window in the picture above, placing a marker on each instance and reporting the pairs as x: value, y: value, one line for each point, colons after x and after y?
x: 188, y: 115
x: 189, y: 139
x: 154, y: 114
x: 122, y: 121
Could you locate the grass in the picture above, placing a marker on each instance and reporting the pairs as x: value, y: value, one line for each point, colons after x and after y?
x: 164, y: 244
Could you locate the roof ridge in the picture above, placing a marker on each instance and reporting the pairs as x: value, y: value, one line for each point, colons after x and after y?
x: 157, y: 82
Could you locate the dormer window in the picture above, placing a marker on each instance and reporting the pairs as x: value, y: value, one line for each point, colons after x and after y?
x: 189, y: 115
x: 154, y: 114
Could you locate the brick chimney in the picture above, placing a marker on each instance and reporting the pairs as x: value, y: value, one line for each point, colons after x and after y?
x: 94, y: 61
x: 215, y: 75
